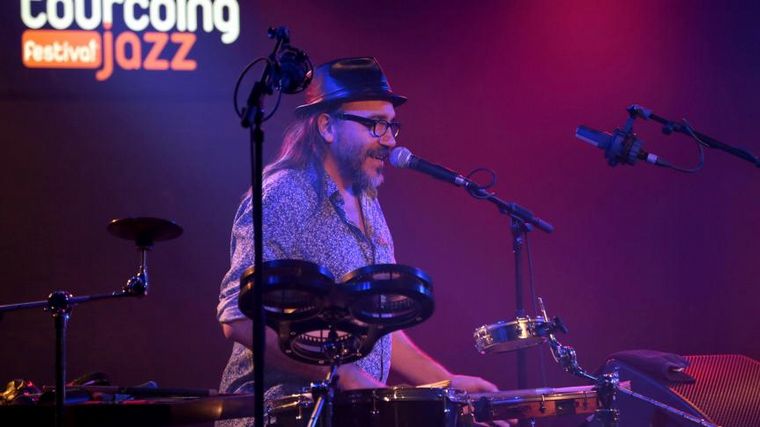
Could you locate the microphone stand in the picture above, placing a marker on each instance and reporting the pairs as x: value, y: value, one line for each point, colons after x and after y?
x: 253, y: 114
x: 670, y: 126
x: 522, y: 222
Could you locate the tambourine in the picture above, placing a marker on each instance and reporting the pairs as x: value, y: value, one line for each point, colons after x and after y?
x: 389, y: 295
x: 293, y: 289
x: 501, y: 337
x: 319, y: 320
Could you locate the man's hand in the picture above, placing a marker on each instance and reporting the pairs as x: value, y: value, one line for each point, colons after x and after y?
x: 479, y: 385
x: 351, y: 377
x: 472, y: 384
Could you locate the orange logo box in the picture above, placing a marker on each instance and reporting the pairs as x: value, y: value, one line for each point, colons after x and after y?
x: 61, y: 49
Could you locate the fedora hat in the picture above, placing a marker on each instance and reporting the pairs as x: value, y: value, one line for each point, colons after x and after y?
x: 346, y: 80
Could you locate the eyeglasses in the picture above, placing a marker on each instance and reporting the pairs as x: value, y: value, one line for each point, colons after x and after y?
x: 377, y: 127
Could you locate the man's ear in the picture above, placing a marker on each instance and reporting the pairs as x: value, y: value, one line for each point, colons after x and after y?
x: 326, y: 126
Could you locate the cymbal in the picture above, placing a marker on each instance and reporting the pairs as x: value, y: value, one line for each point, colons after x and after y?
x: 144, y: 230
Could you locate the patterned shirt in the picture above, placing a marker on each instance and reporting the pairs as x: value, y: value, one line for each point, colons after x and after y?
x: 304, y: 218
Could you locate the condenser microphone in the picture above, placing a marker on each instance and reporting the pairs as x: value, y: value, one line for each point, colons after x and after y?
x: 619, y: 146
x: 291, y: 68
x: 401, y: 157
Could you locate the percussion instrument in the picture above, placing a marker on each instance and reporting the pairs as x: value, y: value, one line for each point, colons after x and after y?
x: 318, y: 319
x: 389, y: 295
x: 386, y: 407
x: 503, y: 336
x: 534, y: 403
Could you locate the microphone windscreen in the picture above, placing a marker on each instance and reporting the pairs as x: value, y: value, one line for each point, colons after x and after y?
x: 400, y: 157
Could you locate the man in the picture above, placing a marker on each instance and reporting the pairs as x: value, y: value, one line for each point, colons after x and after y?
x: 320, y: 205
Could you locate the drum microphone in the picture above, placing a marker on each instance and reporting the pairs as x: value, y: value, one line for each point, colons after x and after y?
x: 619, y: 147
x: 401, y: 157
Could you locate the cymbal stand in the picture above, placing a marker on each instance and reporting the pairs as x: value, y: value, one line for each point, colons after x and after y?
x: 324, y: 390
x: 143, y: 231
x: 60, y: 305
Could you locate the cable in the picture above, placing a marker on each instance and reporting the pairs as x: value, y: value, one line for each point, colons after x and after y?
x: 700, y: 144
x: 240, y: 79
x: 479, y: 192
x: 534, y: 300
x: 276, y: 106
x: 668, y: 129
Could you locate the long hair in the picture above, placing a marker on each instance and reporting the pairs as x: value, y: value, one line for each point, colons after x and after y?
x: 302, y: 147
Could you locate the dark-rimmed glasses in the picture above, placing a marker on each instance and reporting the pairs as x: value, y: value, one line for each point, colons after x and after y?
x: 378, y: 127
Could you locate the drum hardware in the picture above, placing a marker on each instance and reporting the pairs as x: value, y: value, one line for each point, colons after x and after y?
x: 525, y: 332
x: 324, y: 391
x: 144, y: 231
x: 606, y: 387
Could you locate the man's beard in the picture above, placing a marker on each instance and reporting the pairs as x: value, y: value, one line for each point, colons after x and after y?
x: 351, y: 158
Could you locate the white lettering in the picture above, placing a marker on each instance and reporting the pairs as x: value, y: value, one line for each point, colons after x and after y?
x: 93, y: 51
x: 61, y: 52
x: 82, y: 20
x: 138, y: 15
x: 192, y: 15
x: 108, y: 10
x: 60, y: 22
x: 28, y: 46
x: 230, y: 28
x: 163, y: 24
x: 133, y: 23
x: 181, y: 15
x: 33, y: 22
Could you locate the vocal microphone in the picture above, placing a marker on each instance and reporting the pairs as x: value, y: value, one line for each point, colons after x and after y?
x: 619, y: 147
x: 401, y: 157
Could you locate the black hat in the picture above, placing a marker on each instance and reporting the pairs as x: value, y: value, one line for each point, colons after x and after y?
x: 345, y: 80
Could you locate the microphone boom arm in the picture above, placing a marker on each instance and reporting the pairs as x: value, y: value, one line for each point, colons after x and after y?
x: 670, y: 126
x: 511, y: 208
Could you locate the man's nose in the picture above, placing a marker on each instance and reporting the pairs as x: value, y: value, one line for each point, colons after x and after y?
x: 388, y: 140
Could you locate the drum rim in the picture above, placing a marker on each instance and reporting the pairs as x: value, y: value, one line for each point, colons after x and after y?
x: 381, y: 268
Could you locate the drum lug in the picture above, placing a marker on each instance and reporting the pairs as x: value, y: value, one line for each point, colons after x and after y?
x: 374, y: 412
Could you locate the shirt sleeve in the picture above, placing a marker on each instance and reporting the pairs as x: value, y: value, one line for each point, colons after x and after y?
x: 283, y: 209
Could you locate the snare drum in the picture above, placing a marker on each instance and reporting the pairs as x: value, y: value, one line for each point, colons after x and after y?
x: 385, y: 407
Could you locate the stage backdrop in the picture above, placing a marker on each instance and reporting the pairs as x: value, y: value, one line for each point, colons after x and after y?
x: 110, y: 113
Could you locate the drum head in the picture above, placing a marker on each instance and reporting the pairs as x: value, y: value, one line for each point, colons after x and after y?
x: 293, y: 289
x: 392, y: 296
